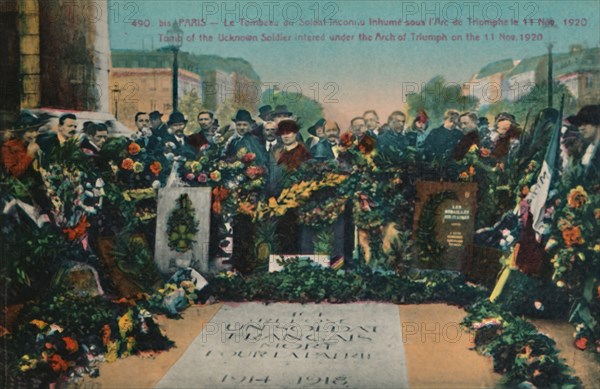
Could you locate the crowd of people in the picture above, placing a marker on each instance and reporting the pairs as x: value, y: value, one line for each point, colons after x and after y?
x: 275, y: 139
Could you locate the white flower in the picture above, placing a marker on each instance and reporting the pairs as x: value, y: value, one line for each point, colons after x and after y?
x: 510, y: 239
x: 155, y: 184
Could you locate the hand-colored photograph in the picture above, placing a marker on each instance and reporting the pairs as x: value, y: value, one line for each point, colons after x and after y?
x: 299, y: 194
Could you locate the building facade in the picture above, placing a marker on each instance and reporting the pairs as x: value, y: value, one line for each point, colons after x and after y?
x: 147, y: 89
x: 54, y: 57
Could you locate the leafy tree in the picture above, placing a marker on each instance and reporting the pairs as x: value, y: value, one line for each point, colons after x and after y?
x: 190, y: 105
x: 537, y: 99
x: 534, y: 101
x: 306, y: 110
x: 226, y: 111
x: 436, y: 97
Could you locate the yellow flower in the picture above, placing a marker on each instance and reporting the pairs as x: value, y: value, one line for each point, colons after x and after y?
x: 111, y: 354
x: 39, y: 323
x: 195, y: 166
x: 138, y: 167
x: 473, y: 149
x: 125, y: 324
x: 272, y: 202
x: 188, y: 286
x: 577, y: 197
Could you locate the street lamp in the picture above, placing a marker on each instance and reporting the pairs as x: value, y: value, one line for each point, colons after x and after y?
x: 116, y: 91
x: 175, y: 38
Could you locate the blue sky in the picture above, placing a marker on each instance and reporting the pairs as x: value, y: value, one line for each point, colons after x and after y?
x: 360, y: 74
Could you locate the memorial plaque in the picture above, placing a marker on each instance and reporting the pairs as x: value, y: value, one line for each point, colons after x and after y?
x: 295, y: 346
x: 169, y: 260
x: 454, y: 219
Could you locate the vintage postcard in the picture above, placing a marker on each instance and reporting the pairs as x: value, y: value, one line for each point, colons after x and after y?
x: 300, y: 194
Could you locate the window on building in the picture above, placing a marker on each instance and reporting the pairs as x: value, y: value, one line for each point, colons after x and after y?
x: 589, y: 81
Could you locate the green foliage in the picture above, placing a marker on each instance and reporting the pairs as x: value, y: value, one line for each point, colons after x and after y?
x: 80, y: 316
x: 431, y: 252
x: 437, y: 96
x: 191, y: 105
x: 134, y: 258
x: 306, y: 110
x: 182, y: 226
x: 519, y: 351
x: 304, y: 281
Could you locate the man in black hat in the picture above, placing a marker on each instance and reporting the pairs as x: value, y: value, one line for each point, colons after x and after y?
x: 264, y: 114
x: 178, y: 142
x: 327, y: 148
x: 588, y: 122
x: 280, y: 113
x: 158, y: 127
x: 19, y: 152
x: 245, y: 140
x: 317, y: 132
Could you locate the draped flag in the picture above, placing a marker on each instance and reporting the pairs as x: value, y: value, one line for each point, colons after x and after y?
x: 538, y: 193
x: 536, y: 199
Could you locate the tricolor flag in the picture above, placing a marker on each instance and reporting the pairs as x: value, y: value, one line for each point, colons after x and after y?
x: 539, y: 191
x: 536, y: 199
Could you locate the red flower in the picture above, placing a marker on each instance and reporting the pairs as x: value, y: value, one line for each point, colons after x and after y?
x: 366, y: 144
x: 219, y: 194
x: 581, y: 343
x: 155, y: 167
x: 248, y: 157
x: 133, y: 148
x: 484, y: 152
x: 127, y: 164
x: 106, y: 334
x: 347, y: 139
x: 70, y: 344
x: 254, y: 172
x: 572, y: 236
x: 57, y: 364
x: 78, y: 231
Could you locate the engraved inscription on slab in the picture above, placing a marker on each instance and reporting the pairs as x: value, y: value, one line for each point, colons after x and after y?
x: 295, y: 346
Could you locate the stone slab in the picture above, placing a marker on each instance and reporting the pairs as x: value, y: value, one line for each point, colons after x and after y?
x: 281, y: 345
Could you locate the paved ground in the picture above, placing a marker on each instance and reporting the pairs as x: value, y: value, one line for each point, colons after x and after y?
x: 437, y: 352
